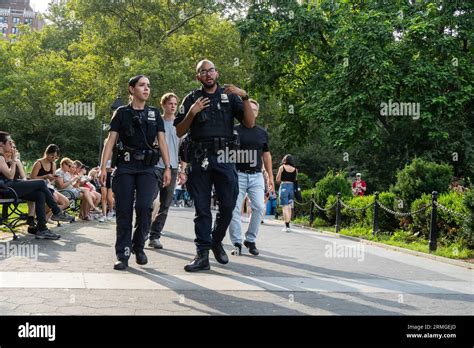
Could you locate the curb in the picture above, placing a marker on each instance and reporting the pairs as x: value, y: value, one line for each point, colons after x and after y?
x: 454, y: 262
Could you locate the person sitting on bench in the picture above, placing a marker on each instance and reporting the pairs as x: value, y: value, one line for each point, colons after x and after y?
x: 30, y: 190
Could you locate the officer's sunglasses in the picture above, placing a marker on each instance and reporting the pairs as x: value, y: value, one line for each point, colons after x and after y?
x: 204, y: 72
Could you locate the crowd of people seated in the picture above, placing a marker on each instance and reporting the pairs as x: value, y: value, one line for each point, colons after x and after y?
x: 49, y: 190
x: 33, y: 190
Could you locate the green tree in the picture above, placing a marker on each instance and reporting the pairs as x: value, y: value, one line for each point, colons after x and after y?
x: 333, y: 63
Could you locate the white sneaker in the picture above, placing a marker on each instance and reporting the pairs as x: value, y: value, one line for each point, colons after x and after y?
x: 102, y: 218
x: 284, y: 229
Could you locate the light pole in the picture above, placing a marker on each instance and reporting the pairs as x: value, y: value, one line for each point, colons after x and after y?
x: 116, y: 104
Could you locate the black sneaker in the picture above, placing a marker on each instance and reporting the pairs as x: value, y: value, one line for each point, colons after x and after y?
x: 252, y: 248
x: 237, y: 249
x: 47, y: 234
x: 62, y: 216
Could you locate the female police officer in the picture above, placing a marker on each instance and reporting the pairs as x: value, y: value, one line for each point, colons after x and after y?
x: 133, y: 130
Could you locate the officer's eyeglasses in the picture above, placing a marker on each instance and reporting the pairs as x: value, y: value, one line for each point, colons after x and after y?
x: 204, y: 72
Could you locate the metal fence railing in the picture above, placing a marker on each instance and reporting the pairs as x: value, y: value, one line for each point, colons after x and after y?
x: 377, y: 204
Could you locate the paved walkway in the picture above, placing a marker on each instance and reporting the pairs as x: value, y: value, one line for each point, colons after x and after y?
x: 298, y: 273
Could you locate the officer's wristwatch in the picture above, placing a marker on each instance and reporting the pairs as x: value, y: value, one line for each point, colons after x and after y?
x: 168, y: 166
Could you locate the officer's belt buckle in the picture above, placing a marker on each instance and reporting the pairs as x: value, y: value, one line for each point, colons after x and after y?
x: 139, y: 155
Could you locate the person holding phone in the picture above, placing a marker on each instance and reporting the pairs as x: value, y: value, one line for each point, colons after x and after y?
x: 359, y: 186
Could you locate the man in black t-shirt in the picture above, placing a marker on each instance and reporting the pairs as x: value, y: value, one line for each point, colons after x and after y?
x: 254, y: 151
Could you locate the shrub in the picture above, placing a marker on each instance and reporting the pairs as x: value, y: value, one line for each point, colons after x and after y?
x: 331, y: 213
x: 303, y: 220
x: 420, y: 223
x: 448, y: 225
x: 304, y: 208
x: 358, y: 216
x: 358, y: 232
x: 467, y: 231
x: 387, y: 221
x: 420, y: 177
x: 304, y: 181
x: 318, y: 222
x: 330, y: 185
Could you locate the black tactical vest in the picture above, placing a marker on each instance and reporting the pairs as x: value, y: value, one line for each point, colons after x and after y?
x: 138, y: 125
x: 217, y: 120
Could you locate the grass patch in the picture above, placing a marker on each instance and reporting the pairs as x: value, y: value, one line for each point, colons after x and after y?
x: 408, y: 240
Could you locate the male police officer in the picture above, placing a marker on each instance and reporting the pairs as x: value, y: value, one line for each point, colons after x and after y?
x: 209, y: 114
x: 135, y: 127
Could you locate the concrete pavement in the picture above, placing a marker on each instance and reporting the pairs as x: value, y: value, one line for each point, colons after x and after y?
x: 298, y: 273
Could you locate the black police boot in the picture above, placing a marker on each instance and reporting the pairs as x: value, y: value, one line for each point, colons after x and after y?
x: 200, y: 262
x: 140, y: 257
x: 219, y: 253
x: 252, y: 248
x: 120, y: 265
x: 237, y: 249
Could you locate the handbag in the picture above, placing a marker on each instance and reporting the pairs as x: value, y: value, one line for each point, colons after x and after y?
x: 297, y: 190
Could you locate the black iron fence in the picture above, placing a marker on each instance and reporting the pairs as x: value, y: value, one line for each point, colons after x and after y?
x: 377, y: 205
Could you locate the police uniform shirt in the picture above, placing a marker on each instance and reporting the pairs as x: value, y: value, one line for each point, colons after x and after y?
x: 252, y: 139
x: 129, y: 132
x: 217, y: 120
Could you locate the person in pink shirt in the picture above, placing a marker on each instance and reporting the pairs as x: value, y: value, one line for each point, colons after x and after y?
x: 359, y: 186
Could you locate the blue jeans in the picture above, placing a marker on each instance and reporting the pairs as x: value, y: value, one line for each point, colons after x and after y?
x: 253, y: 185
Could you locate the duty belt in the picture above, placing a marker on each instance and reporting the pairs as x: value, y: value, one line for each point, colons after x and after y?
x: 136, y: 154
x: 214, y: 144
